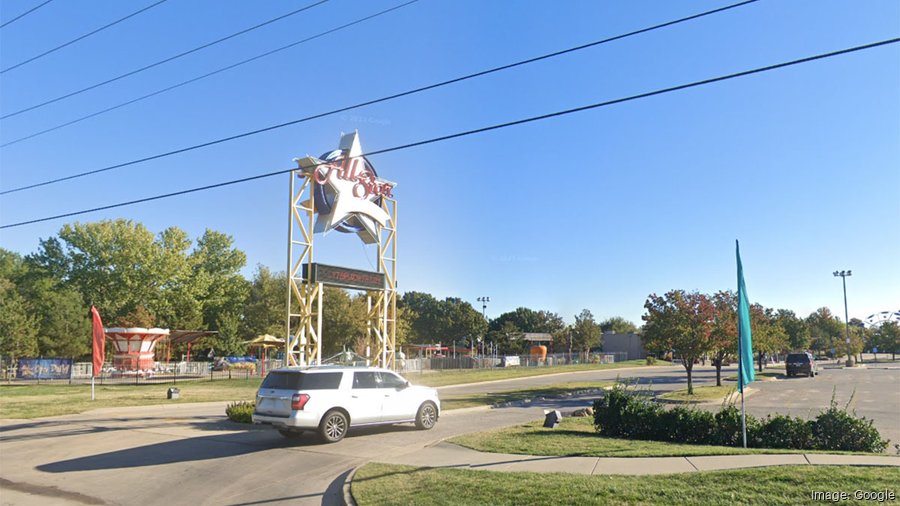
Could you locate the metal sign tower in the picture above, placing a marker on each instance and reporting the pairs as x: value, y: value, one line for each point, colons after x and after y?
x: 342, y: 192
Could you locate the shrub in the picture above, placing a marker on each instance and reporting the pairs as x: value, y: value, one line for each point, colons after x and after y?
x: 836, y: 429
x: 651, y: 360
x: 240, y: 411
x: 641, y: 419
x: 687, y: 425
x: 781, y: 431
x: 622, y: 413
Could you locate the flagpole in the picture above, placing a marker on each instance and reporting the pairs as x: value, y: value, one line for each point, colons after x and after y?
x: 741, y: 388
x: 740, y: 351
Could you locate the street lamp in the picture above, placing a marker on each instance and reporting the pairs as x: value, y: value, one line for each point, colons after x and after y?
x: 844, y: 275
x: 483, y: 300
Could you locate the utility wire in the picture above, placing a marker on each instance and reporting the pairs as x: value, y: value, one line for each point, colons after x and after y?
x: 363, y: 104
x: 204, y: 76
x: 478, y: 130
x: 20, y: 16
x: 57, y: 48
x: 146, y: 67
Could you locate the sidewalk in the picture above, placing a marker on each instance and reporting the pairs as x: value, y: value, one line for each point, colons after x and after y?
x: 449, y: 455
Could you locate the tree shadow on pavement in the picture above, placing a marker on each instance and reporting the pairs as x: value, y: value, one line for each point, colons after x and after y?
x: 62, y: 428
x: 202, y: 448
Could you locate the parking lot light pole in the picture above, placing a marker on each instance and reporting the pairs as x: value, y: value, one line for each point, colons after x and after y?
x: 843, y: 275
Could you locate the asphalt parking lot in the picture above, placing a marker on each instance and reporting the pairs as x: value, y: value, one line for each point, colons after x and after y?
x: 873, y: 392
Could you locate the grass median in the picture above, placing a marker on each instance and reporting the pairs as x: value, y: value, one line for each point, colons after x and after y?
x: 576, y: 437
x: 35, y: 401
x: 460, y: 376
x: 382, y: 484
x: 489, y: 399
x: 761, y: 376
x: 701, y: 394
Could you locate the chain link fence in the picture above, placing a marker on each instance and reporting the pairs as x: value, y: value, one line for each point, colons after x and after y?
x: 11, y: 371
x: 174, y: 372
x: 420, y: 364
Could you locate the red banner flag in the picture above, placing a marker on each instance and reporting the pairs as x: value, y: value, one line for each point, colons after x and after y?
x: 99, y: 342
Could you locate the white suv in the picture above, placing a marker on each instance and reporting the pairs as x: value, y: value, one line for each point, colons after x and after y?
x: 331, y: 399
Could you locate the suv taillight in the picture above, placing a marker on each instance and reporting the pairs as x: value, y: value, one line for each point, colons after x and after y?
x: 298, y: 401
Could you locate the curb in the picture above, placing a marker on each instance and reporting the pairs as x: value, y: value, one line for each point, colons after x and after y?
x: 348, y: 494
x: 731, y: 398
x: 471, y: 409
x: 734, y: 396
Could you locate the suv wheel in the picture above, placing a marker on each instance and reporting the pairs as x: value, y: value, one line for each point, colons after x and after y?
x: 427, y: 416
x: 333, y: 426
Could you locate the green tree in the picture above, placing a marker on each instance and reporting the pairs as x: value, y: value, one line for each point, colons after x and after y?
x: 462, y: 321
x: 424, y: 317
x: 506, y: 338
x: 12, y: 266
x: 217, y: 284
x: 825, y: 331
x: 618, y: 325
x: 64, y: 329
x: 681, y: 322
x: 344, y: 321
x: 529, y: 320
x: 18, y: 328
x: 585, y: 332
x: 264, y: 311
x: 796, y: 329
x: 887, y: 337
x: 723, y: 335
x: 504, y: 329
x: 768, y: 335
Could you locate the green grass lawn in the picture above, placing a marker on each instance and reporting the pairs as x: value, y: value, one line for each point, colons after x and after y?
x: 34, y: 401
x: 489, y: 399
x: 459, y: 376
x: 576, y: 437
x: 382, y: 484
x: 701, y: 394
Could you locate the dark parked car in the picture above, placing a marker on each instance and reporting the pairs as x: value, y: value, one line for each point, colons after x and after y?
x: 801, y: 364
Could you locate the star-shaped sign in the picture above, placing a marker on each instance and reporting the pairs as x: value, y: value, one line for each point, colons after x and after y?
x: 351, y: 191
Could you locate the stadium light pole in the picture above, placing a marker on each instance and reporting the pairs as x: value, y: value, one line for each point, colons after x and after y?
x: 844, y: 275
x: 483, y: 300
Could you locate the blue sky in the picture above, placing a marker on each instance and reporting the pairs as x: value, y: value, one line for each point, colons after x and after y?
x: 594, y: 210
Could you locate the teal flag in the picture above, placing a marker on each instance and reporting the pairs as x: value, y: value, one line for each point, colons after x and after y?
x: 746, y: 374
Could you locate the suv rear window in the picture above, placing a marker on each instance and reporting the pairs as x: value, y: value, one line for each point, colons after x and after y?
x: 798, y: 357
x: 282, y: 380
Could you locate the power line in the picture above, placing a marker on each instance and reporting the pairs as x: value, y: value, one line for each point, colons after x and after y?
x: 57, y: 48
x: 479, y: 130
x: 156, y: 64
x: 20, y: 16
x: 218, y: 71
x: 366, y: 103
